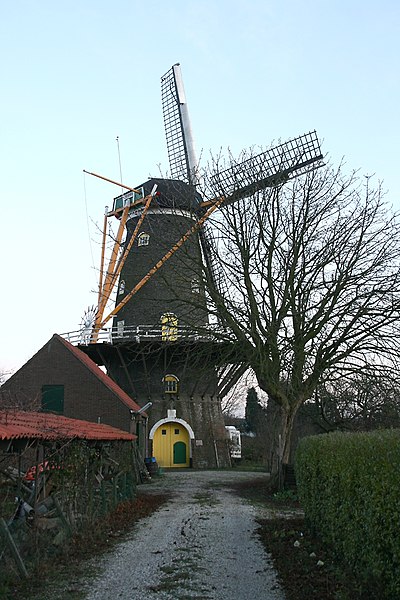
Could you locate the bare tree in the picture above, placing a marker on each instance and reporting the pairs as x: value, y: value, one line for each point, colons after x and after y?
x: 312, y: 283
x: 233, y: 403
x: 4, y: 375
x: 361, y: 402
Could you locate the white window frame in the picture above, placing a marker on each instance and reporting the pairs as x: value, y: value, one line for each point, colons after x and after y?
x: 171, y: 383
x: 143, y: 239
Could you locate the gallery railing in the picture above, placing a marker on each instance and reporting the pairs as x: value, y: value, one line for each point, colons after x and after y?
x: 139, y: 333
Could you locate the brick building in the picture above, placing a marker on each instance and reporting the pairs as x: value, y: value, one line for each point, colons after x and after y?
x: 61, y: 379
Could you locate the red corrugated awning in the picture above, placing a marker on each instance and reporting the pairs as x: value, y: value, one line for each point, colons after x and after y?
x: 47, y: 426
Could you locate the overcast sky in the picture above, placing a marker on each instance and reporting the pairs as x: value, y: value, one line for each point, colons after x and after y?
x: 77, y: 74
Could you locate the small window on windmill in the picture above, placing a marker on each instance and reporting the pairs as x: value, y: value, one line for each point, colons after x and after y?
x: 195, y: 286
x: 143, y: 239
x: 128, y: 198
x: 169, y: 327
x: 121, y: 289
x: 170, y: 384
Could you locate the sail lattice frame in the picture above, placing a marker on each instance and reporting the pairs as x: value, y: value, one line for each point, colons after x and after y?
x: 176, y: 145
x: 270, y: 168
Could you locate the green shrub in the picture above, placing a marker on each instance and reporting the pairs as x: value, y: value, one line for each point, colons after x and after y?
x: 349, y: 486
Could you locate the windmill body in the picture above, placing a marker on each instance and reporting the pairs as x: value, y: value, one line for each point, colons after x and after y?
x: 157, y: 354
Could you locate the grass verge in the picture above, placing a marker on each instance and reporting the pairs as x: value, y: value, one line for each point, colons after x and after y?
x: 307, y: 568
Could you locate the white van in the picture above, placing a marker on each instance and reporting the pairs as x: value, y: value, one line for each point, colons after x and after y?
x: 235, y: 442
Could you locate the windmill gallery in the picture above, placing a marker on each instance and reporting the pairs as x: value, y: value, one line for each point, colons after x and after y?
x: 157, y: 342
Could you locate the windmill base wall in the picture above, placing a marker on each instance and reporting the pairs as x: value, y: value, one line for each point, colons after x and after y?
x: 139, y: 371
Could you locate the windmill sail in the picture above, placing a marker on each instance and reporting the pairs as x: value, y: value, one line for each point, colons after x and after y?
x: 180, y: 144
x: 270, y: 168
x: 182, y: 155
x: 267, y: 169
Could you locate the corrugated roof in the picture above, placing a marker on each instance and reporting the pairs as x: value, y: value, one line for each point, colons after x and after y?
x: 105, y: 379
x: 47, y: 426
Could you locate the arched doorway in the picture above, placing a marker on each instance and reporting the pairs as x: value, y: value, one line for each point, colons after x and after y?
x: 171, y: 443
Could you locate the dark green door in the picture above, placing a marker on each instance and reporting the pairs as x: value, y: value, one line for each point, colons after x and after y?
x: 179, y: 453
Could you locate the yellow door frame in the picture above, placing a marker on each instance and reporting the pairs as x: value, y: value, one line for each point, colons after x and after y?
x: 165, y: 434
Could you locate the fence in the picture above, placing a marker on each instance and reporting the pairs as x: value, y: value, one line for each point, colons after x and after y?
x: 68, y: 488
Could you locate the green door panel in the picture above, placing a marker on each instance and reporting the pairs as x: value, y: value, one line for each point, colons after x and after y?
x: 179, y: 453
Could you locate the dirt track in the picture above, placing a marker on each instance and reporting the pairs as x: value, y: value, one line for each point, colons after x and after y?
x: 201, y: 544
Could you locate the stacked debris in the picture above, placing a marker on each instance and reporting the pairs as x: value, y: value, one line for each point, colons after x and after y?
x: 57, y: 476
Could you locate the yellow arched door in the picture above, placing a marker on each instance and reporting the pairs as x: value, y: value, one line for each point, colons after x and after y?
x: 171, y: 445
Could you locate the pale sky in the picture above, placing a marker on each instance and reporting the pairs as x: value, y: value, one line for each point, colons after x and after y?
x: 77, y: 74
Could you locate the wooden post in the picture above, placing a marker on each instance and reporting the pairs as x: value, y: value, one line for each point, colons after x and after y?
x: 63, y: 518
x: 103, y: 493
x: 124, y: 487
x: 115, y: 490
x: 14, y: 550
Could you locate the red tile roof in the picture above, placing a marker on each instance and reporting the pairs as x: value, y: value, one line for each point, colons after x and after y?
x: 105, y: 379
x: 47, y: 426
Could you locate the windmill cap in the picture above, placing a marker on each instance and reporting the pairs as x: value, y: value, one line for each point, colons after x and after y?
x: 173, y: 193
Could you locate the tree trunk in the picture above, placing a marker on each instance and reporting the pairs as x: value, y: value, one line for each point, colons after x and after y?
x: 287, y: 423
x: 284, y: 441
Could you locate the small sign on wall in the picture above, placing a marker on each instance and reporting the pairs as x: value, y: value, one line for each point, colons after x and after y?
x: 199, y: 442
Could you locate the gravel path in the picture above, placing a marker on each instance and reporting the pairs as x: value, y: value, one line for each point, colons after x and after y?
x: 201, y: 544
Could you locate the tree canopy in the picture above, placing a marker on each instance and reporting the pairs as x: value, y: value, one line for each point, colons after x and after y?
x: 304, y: 281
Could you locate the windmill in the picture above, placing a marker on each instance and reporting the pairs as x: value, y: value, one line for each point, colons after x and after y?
x: 153, y: 354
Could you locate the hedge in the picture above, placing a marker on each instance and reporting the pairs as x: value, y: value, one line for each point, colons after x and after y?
x: 349, y: 486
